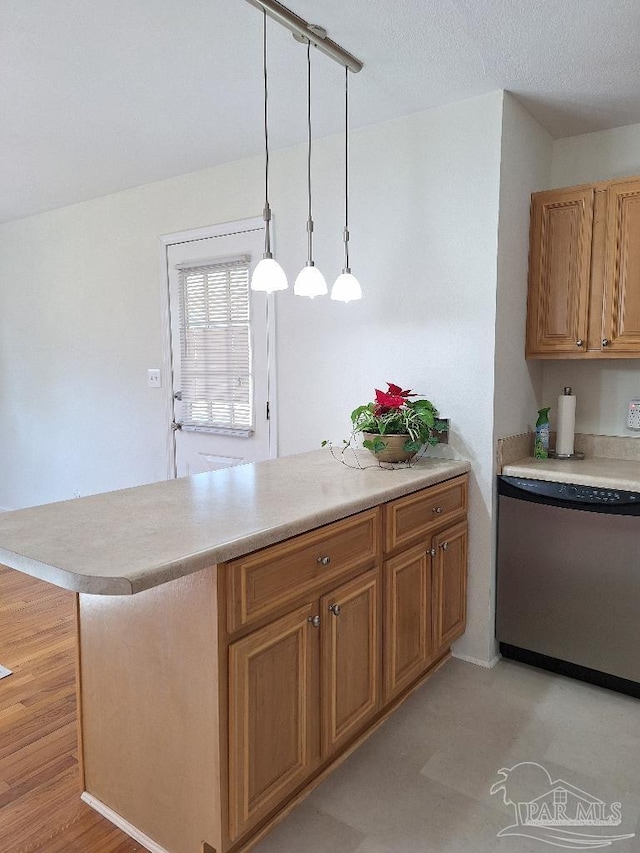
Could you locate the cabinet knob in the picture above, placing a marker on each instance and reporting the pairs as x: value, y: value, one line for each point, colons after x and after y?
x: 445, y: 546
x: 315, y: 621
x: 335, y: 609
x: 324, y: 561
x: 605, y: 342
x: 579, y: 342
x: 431, y: 552
x: 437, y: 509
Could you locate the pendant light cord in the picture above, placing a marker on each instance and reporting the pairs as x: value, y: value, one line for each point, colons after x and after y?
x: 310, y: 219
x: 346, y: 168
x: 267, y: 209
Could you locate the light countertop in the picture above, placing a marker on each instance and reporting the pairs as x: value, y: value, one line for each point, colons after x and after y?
x: 596, y: 471
x: 123, y: 542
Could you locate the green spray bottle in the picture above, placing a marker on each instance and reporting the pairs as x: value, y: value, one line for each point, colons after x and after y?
x: 541, y: 446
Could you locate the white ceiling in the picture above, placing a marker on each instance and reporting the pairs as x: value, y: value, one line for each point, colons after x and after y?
x: 100, y: 95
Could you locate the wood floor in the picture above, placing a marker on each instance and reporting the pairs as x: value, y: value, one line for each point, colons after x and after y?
x: 40, y: 807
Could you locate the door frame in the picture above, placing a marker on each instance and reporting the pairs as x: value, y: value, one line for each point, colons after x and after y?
x: 219, y: 230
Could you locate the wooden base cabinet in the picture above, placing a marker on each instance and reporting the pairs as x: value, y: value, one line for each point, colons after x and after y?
x: 264, y: 673
x: 584, y: 272
x: 450, y: 585
x: 300, y: 688
x: 350, y: 637
x: 426, y: 592
x: 273, y: 719
x: 409, y: 640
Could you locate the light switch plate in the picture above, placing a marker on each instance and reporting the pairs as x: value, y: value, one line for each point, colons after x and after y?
x: 153, y: 378
x: 633, y: 415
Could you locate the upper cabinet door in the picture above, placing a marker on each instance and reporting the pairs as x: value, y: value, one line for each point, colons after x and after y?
x: 621, y: 331
x: 559, y: 271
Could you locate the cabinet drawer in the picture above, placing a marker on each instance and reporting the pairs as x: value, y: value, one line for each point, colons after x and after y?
x: 268, y: 580
x: 410, y: 518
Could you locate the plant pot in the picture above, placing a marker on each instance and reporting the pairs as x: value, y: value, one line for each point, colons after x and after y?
x: 394, y: 447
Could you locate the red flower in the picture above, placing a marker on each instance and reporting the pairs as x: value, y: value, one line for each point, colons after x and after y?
x: 390, y: 401
x: 386, y: 402
x: 397, y: 391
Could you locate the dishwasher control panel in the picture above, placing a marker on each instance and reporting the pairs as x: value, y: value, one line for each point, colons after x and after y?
x: 572, y: 492
x: 593, y: 495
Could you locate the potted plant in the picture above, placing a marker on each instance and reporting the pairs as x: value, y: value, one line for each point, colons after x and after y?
x: 395, y: 426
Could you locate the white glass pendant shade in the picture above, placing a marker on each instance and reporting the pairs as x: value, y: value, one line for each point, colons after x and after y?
x: 310, y: 282
x: 268, y: 276
x: 346, y: 288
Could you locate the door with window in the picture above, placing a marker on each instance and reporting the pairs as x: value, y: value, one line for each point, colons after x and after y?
x: 219, y: 345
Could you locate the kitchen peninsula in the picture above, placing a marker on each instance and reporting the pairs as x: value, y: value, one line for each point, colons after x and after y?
x: 240, y: 632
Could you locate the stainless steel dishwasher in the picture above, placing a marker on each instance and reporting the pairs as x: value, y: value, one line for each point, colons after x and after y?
x: 568, y: 585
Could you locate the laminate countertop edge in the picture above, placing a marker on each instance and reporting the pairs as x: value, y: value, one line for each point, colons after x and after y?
x: 127, y: 541
x: 597, y: 471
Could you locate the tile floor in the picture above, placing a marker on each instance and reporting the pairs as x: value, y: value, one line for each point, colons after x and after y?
x: 421, y: 783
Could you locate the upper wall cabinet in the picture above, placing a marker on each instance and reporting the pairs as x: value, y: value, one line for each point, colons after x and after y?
x: 621, y: 317
x: 584, y: 272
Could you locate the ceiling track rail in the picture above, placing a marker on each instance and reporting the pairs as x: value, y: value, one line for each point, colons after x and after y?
x: 304, y: 31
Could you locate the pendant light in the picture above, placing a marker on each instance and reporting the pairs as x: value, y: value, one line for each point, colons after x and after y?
x: 268, y: 274
x: 346, y: 287
x: 310, y: 281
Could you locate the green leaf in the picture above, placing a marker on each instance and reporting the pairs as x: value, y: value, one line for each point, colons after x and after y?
x: 376, y: 446
x: 412, y: 446
x: 357, y: 413
x: 426, y: 416
x: 324, y: 443
x: 423, y: 404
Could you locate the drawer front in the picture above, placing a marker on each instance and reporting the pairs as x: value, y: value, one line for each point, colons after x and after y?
x: 410, y: 518
x: 269, y: 580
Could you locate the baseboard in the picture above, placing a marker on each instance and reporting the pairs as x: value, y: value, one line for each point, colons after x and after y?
x: 487, y: 664
x: 121, y: 823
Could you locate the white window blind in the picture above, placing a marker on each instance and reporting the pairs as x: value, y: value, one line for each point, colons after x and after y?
x: 215, y: 345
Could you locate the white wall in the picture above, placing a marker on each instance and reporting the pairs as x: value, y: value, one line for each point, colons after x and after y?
x: 596, y: 156
x: 525, y: 168
x: 80, y: 316
x: 602, y: 388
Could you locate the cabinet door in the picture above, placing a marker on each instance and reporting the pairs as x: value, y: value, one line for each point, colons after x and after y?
x: 273, y: 716
x: 559, y: 271
x: 407, y: 619
x: 622, y: 269
x: 350, y: 659
x: 450, y: 581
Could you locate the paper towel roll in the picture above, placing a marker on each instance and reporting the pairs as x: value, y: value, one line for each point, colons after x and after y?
x: 566, y: 427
